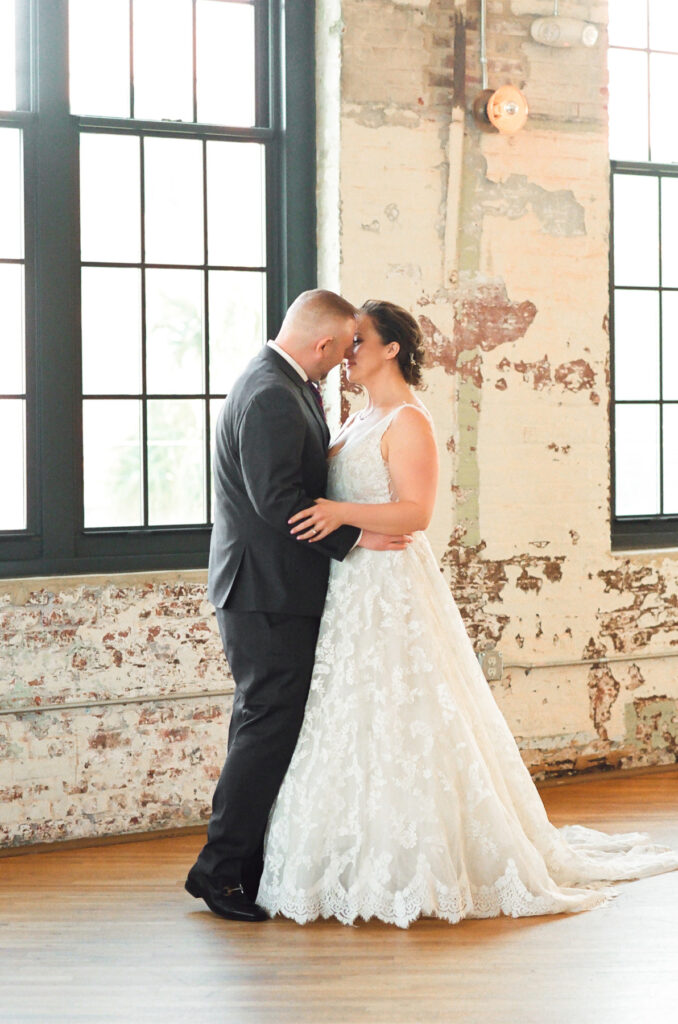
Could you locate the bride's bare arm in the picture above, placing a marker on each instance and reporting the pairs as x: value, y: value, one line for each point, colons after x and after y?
x: 410, y: 450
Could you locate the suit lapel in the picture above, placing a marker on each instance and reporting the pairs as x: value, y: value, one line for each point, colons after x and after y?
x: 315, y: 409
x: 272, y: 356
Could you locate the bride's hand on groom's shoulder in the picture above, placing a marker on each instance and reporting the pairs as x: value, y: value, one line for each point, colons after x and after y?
x: 314, y: 523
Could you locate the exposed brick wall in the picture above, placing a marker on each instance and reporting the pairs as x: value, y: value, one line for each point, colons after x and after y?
x: 109, y: 768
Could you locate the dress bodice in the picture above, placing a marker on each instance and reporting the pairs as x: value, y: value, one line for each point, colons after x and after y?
x: 358, y: 472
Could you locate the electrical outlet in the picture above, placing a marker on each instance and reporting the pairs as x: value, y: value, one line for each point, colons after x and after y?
x: 492, y: 664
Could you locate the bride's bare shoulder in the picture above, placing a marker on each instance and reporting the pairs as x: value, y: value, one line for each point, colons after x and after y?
x: 410, y: 430
x: 413, y: 415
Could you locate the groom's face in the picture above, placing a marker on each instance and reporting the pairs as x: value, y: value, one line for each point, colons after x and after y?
x: 339, y: 346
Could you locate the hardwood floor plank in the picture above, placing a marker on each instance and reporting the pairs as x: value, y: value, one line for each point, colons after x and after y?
x: 108, y: 934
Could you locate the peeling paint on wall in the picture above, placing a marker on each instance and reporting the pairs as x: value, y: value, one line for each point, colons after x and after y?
x: 101, y: 769
x: 484, y: 318
x: 652, y: 724
x: 603, y: 692
x: 648, y: 607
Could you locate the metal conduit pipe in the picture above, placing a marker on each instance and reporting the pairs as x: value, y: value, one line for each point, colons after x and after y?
x: 528, y: 666
x: 164, y: 698
x: 483, y: 41
x: 109, y: 702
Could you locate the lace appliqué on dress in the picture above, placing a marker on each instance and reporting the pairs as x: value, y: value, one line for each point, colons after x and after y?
x: 406, y: 795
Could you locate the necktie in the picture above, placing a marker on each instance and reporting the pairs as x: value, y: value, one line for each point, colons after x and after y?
x: 315, y: 391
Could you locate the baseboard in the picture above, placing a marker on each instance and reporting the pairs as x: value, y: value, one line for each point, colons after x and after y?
x: 600, y: 774
x: 194, y: 830
x: 89, y: 841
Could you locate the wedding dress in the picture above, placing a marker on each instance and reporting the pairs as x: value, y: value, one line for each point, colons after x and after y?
x: 406, y: 795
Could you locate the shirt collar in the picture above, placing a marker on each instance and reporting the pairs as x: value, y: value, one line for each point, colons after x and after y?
x: 288, y: 359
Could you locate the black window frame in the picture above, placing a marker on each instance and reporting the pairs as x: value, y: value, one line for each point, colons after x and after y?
x: 648, y: 531
x: 659, y: 530
x: 55, y: 541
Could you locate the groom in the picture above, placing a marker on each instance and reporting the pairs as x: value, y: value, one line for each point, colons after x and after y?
x: 268, y: 588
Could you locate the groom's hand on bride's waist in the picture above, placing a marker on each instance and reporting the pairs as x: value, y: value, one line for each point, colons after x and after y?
x: 383, y: 541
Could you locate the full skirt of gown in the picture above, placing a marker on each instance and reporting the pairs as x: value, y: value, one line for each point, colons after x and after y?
x: 406, y: 795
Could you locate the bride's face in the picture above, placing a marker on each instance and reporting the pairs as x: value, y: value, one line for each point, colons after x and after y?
x: 369, y: 355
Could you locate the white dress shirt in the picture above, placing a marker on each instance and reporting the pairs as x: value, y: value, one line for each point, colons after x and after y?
x: 288, y: 359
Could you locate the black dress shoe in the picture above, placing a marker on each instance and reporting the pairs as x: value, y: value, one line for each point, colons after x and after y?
x: 226, y: 901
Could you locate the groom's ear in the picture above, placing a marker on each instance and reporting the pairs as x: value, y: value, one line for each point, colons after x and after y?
x: 322, y: 345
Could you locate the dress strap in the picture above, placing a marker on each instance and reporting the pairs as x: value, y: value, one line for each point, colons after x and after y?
x: 386, y: 422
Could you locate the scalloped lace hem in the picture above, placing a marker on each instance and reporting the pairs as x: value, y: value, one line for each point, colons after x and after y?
x: 430, y: 899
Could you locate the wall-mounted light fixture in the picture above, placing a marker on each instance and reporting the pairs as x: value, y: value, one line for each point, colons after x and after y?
x: 502, y: 110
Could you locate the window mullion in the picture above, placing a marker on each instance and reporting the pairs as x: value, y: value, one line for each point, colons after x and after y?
x: 144, y: 378
x: 297, y: 165
x: 57, y: 287
x: 662, y: 401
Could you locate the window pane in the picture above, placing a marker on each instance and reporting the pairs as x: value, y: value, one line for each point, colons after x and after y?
x: 628, y: 23
x: 11, y: 195
x: 637, y: 460
x: 110, y: 218
x: 636, y: 230
x: 111, y: 330
x: 235, y: 204
x: 7, y: 55
x: 669, y: 233
x: 670, y: 460
x: 176, y: 461
x: 12, y: 464
x: 112, y: 462
x: 163, y: 60
x: 237, y: 324
x: 663, y: 23
x: 174, y: 201
x: 174, y: 331
x: 670, y: 346
x: 663, y: 137
x: 225, y: 63
x: 11, y: 329
x: 628, y: 105
x: 98, y: 58
x: 636, y: 345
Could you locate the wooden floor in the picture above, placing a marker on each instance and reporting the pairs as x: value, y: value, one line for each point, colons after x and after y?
x: 108, y: 934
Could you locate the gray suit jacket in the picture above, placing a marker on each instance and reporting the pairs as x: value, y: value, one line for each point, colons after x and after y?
x: 270, y: 461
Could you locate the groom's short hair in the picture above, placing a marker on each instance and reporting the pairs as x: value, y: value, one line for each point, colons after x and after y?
x: 320, y: 304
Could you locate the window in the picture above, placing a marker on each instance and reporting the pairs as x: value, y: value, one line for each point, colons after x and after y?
x: 13, y: 506
x: 166, y: 157
x: 643, y: 62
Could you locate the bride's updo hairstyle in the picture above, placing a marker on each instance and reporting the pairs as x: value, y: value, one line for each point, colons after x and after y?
x: 393, y: 323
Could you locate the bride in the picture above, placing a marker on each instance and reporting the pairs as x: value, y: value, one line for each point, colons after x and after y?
x: 406, y: 795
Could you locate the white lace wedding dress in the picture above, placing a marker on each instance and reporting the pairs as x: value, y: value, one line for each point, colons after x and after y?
x: 406, y: 795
